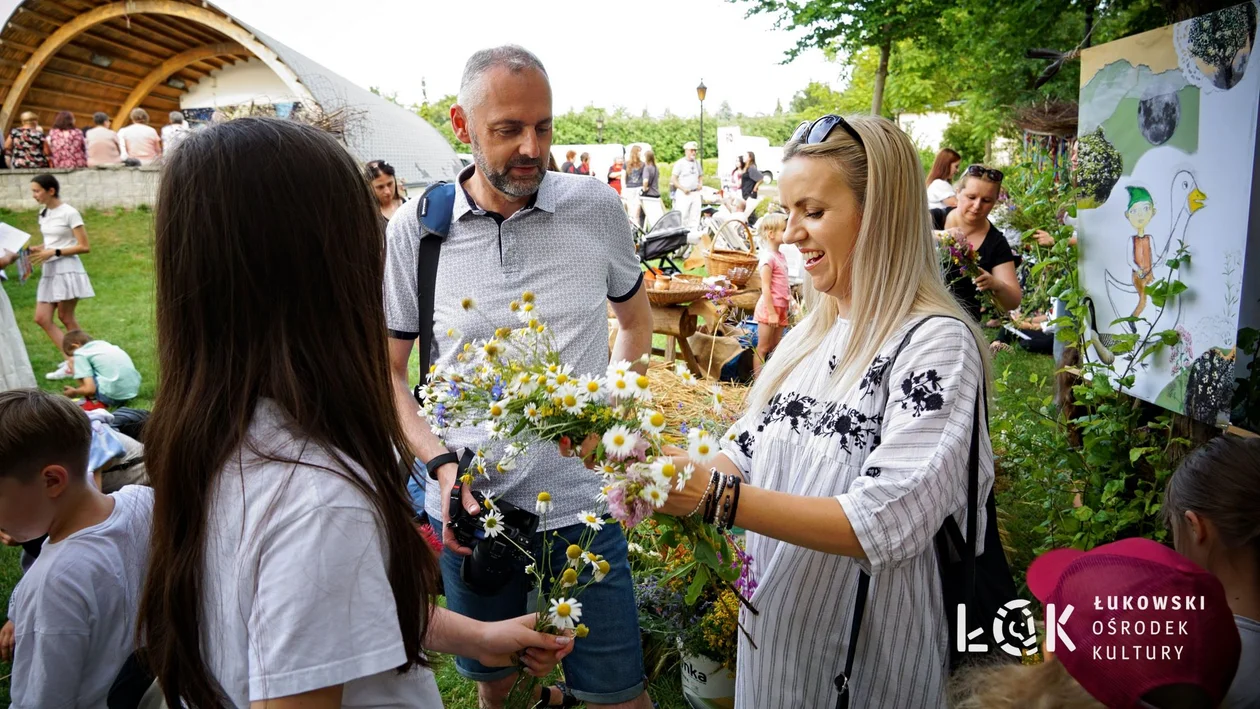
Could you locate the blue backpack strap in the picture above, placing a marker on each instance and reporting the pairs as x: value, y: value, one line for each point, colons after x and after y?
x: 437, y: 204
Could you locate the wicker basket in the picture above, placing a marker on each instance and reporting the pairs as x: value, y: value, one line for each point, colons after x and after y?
x: 676, y: 295
x: 739, y: 275
x: 721, y: 261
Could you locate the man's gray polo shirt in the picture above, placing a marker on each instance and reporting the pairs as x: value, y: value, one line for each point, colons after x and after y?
x: 573, y: 248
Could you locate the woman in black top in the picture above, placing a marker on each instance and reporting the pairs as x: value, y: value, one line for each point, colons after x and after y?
x: 977, y: 193
x: 751, y: 180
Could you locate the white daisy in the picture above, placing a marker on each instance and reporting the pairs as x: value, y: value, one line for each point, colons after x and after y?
x: 652, y: 421
x: 619, y: 368
x: 680, y: 368
x: 492, y: 350
x: 532, y: 413
x: 574, y: 555
x: 529, y: 570
x: 607, y: 469
x: 654, y: 494
x: 634, y: 548
x: 592, y: 388
x: 497, y: 409
x: 569, y: 398
x: 506, y: 465
x: 703, y: 446
x: 513, y: 450
x: 687, y: 378
x: 683, y: 476
x: 619, y: 441
x: 717, y: 398
x: 663, y: 471
x: 454, y: 334
x: 620, y: 387
x: 524, y: 384
x: 492, y: 523
x: 600, y: 570
x: 543, y: 505
x: 603, y: 494
x: 642, y: 386
x: 591, y: 520
x: 564, y: 613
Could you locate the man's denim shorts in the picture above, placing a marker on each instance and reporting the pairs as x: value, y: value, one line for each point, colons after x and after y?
x: 606, y: 667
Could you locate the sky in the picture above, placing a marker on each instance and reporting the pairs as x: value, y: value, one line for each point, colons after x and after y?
x: 640, y: 54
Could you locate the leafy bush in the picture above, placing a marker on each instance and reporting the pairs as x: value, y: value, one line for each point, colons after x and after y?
x: 1099, y: 166
x: 961, y: 137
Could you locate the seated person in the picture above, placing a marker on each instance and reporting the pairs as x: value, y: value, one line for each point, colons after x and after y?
x: 105, y: 372
x: 73, y: 615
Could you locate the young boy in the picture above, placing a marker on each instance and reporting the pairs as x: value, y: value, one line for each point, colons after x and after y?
x: 104, y: 371
x: 74, y: 612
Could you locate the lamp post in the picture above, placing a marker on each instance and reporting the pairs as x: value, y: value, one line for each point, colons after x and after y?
x: 701, y: 90
x: 599, y: 129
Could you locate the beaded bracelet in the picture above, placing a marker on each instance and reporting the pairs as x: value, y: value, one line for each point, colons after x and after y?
x: 704, y: 497
x: 711, y: 511
x: 728, y: 519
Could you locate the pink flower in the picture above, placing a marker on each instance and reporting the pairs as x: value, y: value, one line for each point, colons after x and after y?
x: 637, y: 510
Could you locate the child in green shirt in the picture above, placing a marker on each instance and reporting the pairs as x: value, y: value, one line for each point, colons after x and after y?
x: 105, y: 372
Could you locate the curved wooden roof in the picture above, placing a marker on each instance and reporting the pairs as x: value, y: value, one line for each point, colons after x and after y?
x: 85, y: 56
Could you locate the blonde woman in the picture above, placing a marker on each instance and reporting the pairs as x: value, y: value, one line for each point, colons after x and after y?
x: 855, y: 444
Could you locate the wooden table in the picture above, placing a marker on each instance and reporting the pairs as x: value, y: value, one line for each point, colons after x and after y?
x: 676, y: 323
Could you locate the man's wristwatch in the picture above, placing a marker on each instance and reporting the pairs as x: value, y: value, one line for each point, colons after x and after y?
x: 438, y: 461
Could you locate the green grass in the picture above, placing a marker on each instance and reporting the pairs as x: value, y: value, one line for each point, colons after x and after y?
x: 121, y: 268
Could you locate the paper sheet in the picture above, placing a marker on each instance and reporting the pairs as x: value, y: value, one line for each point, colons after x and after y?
x: 12, y: 239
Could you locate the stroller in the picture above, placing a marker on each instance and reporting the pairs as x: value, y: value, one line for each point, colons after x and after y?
x: 668, y: 238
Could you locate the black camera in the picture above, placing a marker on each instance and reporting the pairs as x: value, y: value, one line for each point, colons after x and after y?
x: 495, y: 560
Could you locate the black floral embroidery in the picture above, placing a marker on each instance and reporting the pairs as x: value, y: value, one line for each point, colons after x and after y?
x: 922, y: 392
x: 872, y: 472
x: 874, y: 377
x: 791, y: 407
x: 831, y: 364
x: 745, y: 442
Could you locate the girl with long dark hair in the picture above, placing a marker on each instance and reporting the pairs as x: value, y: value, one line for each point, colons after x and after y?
x: 385, y: 186
x: 940, y: 191
x: 284, y: 567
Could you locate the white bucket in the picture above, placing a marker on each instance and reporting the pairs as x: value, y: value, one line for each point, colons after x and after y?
x: 706, y: 684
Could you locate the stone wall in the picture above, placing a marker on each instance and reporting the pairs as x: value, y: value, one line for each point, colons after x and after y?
x: 91, y: 187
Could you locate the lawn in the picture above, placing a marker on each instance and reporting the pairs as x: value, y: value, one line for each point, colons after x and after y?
x: 121, y: 268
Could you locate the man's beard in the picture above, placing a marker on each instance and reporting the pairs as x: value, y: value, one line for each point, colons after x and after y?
x: 503, y: 181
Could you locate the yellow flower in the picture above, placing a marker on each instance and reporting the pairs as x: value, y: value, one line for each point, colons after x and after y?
x: 468, y: 304
x: 514, y: 306
x: 527, y: 296
x: 562, y: 378
x: 581, y: 630
x: 466, y: 478
x: 573, y: 552
x: 503, y: 333
x: 569, y: 578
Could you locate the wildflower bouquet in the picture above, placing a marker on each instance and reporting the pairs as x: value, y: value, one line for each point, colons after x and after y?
x: 957, y: 253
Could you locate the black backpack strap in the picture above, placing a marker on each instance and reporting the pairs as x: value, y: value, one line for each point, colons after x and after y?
x: 436, y: 207
x: 864, y: 579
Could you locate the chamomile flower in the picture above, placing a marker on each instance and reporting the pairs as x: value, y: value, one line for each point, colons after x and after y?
x: 642, y: 387
x: 505, y: 465
x: 687, y: 377
x: 454, y: 334
x: 497, y: 409
x: 581, y: 630
x: 619, y: 441
x: 525, y: 384
x: 717, y: 398
x: 654, y: 494
x: 683, y: 476
x: 680, y: 368
x: 525, y: 313
x: 592, y: 520
x: 620, y: 368
x: 468, y: 304
x: 564, y: 613
x: 569, y: 398
x: 652, y: 421
x: 702, y: 446
x: 634, y: 548
x: 620, y: 387
x: 569, y: 578
x: 603, y: 493
x: 663, y: 471
x: 529, y: 569
x: 574, y: 554
x: 527, y: 297
x: 591, y: 387
x: 607, y: 469
x: 491, y: 350
x: 600, y: 570
x: 494, y: 429
x: 492, y: 523
x: 543, y: 505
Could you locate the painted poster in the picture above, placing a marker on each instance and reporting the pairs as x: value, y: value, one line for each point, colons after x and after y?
x: 1166, y: 160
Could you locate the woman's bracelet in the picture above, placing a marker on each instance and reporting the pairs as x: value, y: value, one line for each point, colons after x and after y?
x: 728, y: 519
x: 711, y: 509
x: 704, y: 497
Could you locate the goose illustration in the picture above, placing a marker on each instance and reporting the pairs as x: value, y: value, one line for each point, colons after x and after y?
x: 1101, y: 341
x: 1186, y: 198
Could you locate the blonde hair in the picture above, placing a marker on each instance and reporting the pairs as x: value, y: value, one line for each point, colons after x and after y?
x: 1046, y: 685
x: 895, y: 270
x: 139, y: 115
x: 775, y: 221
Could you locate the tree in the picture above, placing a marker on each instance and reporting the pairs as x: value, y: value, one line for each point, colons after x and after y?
x: 856, y: 26
x: 917, y: 82
x: 1217, y: 38
x: 817, y: 97
x: 438, y: 114
x: 724, y: 112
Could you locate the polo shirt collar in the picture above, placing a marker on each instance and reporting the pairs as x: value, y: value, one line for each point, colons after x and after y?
x: 544, y: 198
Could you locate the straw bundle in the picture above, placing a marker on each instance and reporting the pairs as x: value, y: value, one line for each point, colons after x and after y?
x: 683, y: 403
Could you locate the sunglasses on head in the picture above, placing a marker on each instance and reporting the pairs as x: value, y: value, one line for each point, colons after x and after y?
x: 811, y: 133
x: 988, y: 173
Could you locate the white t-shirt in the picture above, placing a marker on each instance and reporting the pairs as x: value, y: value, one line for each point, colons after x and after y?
x: 58, y: 225
x: 938, y: 192
x: 295, y: 596
x: 687, y: 173
x: 74, y: 613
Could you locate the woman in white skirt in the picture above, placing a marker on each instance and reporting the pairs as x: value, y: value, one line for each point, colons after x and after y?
x: 15, y: 366
x: 64, y: 280
x: 854, y: 448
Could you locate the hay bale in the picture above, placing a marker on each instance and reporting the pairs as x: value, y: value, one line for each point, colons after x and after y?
x: 689, y: 404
